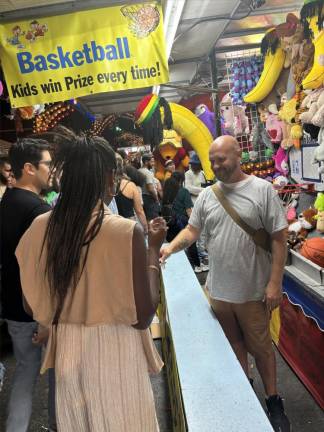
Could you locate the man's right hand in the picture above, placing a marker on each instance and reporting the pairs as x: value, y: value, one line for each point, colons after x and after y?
x: 165, y: 252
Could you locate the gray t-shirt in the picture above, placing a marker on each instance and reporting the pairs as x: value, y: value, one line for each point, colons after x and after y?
x: 149, y: 179
x: 238, y: 270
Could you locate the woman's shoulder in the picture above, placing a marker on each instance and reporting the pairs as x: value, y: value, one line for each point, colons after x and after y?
x: 116, y: 222
x: 127, y: 184
x: 41, y: 220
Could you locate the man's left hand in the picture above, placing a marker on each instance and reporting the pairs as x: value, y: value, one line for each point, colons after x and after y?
x: 273, y: 295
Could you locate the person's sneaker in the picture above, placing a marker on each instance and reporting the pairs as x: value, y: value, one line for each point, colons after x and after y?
x: 205, y: 260
x: 276, y: 414
x: 197, y: 269
x: 204, y: 267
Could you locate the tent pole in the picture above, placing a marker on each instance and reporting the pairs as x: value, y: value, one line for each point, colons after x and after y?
x: 215, y: 96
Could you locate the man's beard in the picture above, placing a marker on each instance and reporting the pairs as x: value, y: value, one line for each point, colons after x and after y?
x: 224, y: 174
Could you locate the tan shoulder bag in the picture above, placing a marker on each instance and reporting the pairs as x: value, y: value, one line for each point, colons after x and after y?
x: 260, y: 237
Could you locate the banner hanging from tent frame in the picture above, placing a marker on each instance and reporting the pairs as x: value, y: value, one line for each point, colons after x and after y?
x: 63, y: 57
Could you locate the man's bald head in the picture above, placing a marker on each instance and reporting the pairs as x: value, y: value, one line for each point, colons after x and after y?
x: 227, y: 144
x: 225, y: 157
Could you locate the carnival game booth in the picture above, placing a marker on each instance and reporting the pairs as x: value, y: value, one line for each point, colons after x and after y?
x: 297, y: 327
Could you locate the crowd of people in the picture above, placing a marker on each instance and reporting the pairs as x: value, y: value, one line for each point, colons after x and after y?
x: 81, y: 273
x: 141, y: 196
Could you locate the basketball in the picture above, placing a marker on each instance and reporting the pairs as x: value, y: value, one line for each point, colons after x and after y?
x: 313, y: 249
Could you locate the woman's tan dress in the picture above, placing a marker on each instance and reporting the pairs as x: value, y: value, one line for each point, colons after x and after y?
x: 102, y: 363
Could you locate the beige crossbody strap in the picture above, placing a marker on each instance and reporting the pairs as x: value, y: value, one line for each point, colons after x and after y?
x: 233, y: 213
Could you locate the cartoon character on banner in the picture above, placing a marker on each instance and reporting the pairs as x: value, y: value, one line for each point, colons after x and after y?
x: 14, y: 40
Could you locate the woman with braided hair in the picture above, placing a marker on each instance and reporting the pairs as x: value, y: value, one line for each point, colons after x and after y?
x: 87, y: 276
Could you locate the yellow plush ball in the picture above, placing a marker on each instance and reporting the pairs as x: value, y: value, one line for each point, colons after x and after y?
x: 296, y: 132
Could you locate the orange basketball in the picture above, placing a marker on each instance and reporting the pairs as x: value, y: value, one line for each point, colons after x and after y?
x: 313, y: 249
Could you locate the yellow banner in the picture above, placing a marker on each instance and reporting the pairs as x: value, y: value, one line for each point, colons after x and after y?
x: 63, y: 57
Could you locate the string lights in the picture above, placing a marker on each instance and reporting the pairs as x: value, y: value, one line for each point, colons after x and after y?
x: 98, y: 126
x: 130, y: 140
x: 53, y: 114
x: 260, y: 169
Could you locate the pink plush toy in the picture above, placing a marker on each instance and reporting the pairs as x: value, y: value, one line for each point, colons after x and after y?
x: 235, y: 120
x: 274, y: 127
x: 281, y: 161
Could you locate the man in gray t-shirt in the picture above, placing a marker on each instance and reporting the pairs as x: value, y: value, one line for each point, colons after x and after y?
x: 239, y: 270
x: 245, y: 281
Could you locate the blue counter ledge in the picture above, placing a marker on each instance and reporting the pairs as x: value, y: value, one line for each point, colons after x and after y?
x: 215, y: 392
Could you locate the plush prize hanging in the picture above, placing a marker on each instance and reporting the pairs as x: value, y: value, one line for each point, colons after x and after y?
x: 148, y: 114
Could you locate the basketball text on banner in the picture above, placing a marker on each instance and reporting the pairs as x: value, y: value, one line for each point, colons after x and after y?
x: 62, y: 57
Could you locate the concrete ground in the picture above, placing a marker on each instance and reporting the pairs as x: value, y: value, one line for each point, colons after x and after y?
x: 303, y: 411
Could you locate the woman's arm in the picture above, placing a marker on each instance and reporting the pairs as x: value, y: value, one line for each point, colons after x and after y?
x: 26, y: 306
x: 137, y: 202
x: 146, y: 273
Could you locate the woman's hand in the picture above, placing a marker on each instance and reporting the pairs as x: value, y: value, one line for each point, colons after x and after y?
x: 157, y: 229
x: 41, y: 336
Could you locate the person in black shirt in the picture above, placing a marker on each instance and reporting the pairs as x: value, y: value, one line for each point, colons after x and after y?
x: 30, y: 162
x: 176, y: 209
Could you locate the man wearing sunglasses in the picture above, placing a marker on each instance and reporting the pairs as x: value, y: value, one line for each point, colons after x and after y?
x: 30, y: 162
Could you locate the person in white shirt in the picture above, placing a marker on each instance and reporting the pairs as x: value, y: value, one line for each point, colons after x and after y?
x: 194, y: 178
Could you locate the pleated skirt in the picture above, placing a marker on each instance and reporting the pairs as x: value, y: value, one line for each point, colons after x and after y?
x: 102, y: 380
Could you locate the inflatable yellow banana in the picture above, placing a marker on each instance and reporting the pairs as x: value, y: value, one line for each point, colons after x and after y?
x: 195, y: 132
x: 185, y: 123
x: 315, y: 77
x: 273, y: 65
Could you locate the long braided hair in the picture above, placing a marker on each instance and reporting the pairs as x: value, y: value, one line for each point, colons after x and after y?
x: 84, y: 164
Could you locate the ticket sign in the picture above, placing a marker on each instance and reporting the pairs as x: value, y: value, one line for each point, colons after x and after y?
x: 62, y: 57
